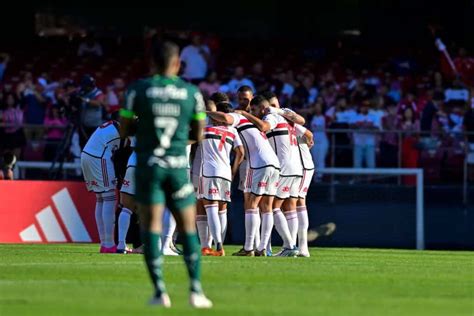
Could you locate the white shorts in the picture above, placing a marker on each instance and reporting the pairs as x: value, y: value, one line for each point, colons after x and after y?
x: 128, y: 185
x: 288, y: 187
x: 214, y: 189
x: 305, y: 182
x: 243, y: 171
x: 99, y: 173
x: 262, y: 181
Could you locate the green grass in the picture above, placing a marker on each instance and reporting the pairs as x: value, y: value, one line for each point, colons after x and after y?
x: 75, y: 280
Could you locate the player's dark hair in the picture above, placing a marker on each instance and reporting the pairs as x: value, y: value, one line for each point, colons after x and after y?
x: 257, y: 99
x: 245, y: 89
x: 225, y: 107
x: 269, y: 95
x: 218, y: 97
x: 163, y: 53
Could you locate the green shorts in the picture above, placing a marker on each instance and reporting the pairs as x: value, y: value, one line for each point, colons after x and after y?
x: 157, y: 185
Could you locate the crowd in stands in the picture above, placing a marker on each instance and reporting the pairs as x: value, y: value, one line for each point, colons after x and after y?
x: 397, y: 116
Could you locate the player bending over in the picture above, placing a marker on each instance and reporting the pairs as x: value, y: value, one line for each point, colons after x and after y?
x: 99, y: 174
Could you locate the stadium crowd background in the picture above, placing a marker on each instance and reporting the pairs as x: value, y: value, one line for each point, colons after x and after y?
x: 417, y: 108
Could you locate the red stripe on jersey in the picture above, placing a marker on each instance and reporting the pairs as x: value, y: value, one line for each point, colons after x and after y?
x: 282, y: 125
x: 219, y: 131
x: 243, y: 121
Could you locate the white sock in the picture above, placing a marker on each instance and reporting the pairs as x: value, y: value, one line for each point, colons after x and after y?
x: 223, y: 220
x: 123, y: 225
x: 201, y: 223
x: 292, y: 220
x: 303, y: 224
x: 214, y: 222
x: 257, y: 234
x: 281, y: 226
x: 108, y: 216
x: 98, y: 218
x: 169, y: 226
x: 250, y: 228
x: 267, y: 227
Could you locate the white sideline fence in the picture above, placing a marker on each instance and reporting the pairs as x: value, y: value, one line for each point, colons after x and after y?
x: 21, y: 166
x: 418, y: 172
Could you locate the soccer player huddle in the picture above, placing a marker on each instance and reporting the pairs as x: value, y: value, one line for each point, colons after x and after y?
x: 162, y: 117
x: 274, y: 175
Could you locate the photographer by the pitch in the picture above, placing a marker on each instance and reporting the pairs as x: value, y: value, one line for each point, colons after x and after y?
x: 92, y: 108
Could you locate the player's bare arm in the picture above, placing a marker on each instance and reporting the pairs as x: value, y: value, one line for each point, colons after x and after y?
x: 221, y: 117
x: 309, y: 138
x: 288, y: 114
x: 239, y: 157
x: 293, y: 116
x: 195, y: 133
x: 261, y: 125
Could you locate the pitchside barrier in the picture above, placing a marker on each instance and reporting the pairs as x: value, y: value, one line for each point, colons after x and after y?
x: 46, y: 212
x: 35, y: 215
x: 420, y: 227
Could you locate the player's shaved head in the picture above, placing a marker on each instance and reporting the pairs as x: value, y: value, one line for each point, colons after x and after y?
x: 245, y: 89
x: 258, y: 105
x: 165, y: 56
x: 244, y: 95
x: 272, y: 98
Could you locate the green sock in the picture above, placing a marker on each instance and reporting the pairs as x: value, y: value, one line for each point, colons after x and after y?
x: 154, y: 260
x: 192, y: 258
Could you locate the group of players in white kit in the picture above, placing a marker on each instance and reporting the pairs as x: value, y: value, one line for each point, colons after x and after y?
x: 270, y: 151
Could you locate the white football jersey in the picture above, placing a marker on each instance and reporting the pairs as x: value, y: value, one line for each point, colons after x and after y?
x: 282, y: 138
x: 258, y: 151
x: 132, y: 160
x: 216, y: 147
x: 305, y: 154
x: 104, y: 141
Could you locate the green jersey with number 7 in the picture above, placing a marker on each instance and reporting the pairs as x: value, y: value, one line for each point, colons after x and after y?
x: 166, y: 107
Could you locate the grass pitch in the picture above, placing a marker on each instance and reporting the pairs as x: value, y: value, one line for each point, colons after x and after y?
x: 76, y: 280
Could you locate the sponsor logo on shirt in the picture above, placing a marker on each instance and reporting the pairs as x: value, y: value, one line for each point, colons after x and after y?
x: 262, y: 184
x: 213, y: 191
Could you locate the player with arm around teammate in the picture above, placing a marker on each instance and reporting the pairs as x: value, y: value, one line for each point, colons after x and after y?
x: 217, y: 174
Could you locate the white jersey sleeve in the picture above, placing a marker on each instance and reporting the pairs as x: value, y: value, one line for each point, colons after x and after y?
x: 236, y: 117
x: 272, y: 119
x: 237, y: 140
x: 300, y: 130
